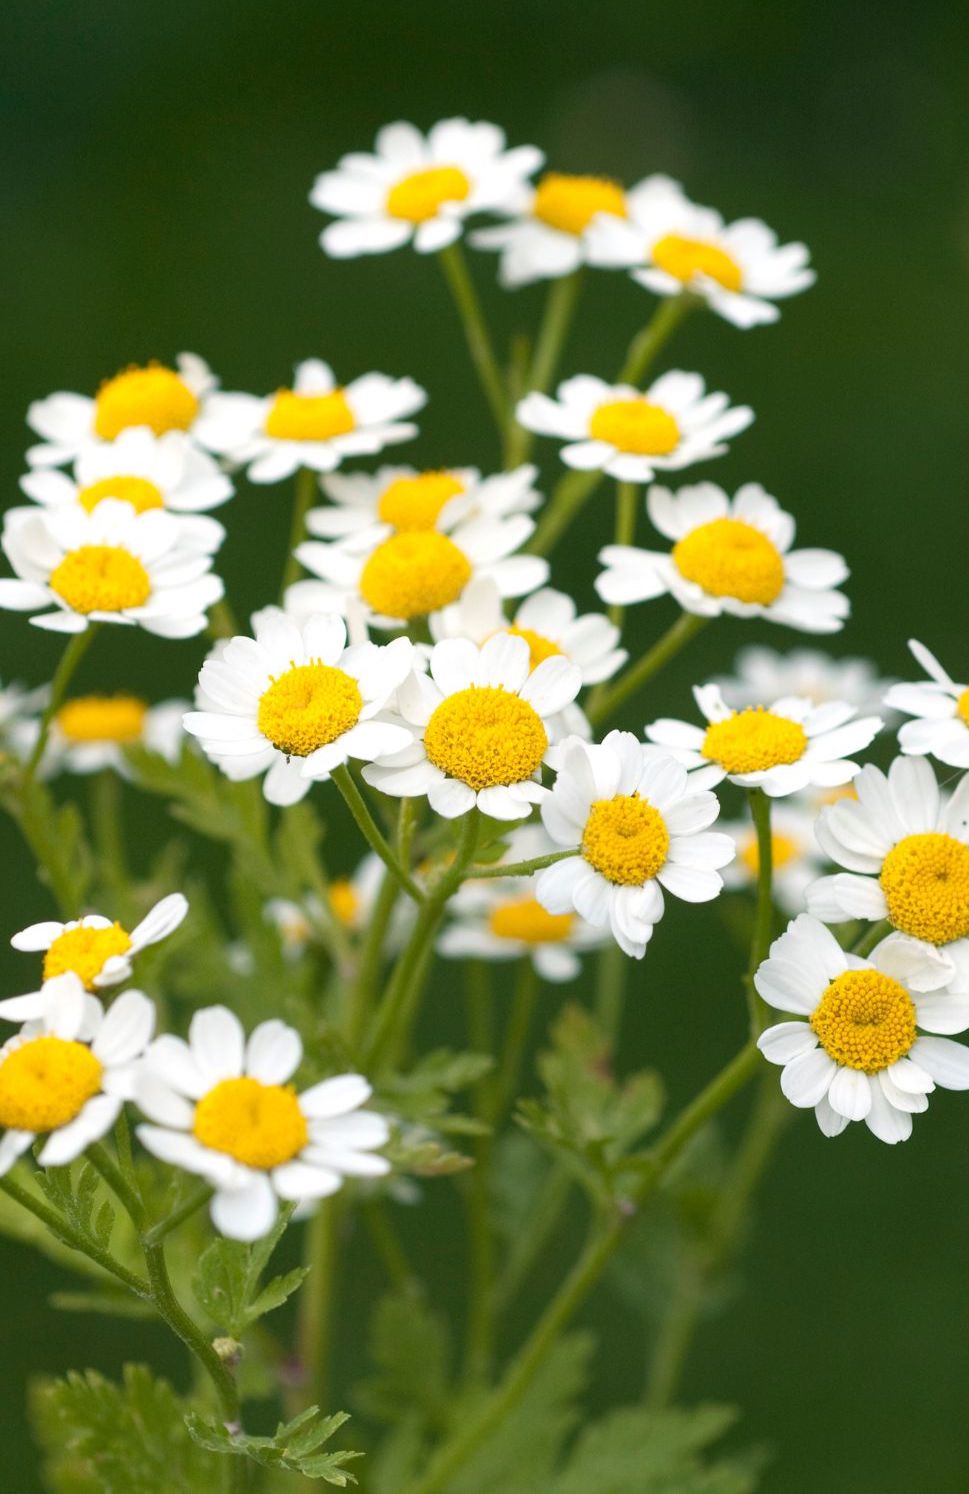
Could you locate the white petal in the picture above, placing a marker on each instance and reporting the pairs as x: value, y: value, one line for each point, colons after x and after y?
x: 218, y: 1043
x: 245, y: 1213
x: 334, y: 1096
x: 273, y: 1052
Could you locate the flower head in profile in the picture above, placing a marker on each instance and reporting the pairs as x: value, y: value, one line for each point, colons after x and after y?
x: 100, y: 953
x: 761, y: 673
x: 547, y: 235
x: 796, y: 860
x: 939, y: 709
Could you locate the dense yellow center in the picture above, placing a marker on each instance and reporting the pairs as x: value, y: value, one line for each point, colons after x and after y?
x: 783, y: 850
x: 422, y: 194
x: 925, y: 879
x: 485, y: 736
x: 344, y: 903
x: 625, y: 839
x: 102, y: 718
x: 526, y: 920
x: 729, y: 558
x: 101, y: 578
x: 154, y: 396
x: 865, y: 1020
x: 540, y: 648
x: 753, y: 740
x: 962, y: 707
x: 85, y: 951
x: 410, y: 575
x: 416, y: 502
x: 309, y: 417
x: 569, y: 203
x: 260, y: 1125
x: 308, y: 707
x: 683, y: 258
x: 635, y: 426
x: 137, y: 491
x: 46, y: 1082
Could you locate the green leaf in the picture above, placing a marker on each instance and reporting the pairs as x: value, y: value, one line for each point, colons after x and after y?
x: 405, y: 1333
x: 227, y: 1282
x: 636, y: 1451
x: 293, y: 1447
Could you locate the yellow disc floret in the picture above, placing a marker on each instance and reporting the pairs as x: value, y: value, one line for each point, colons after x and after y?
x: 410, y: 575
x: 309, y: 417
x: 683, y: 258
x: 729, y: 558
x: 539, y: 647
x: 783, y: 850
x: 865, y: 1020
x: 416, y: 502
x: 754, y: 740
x: 526, y: 920
x: 85, y: 950
x: 962, y: 707
x: 138, y: 491
x: 101, y: 578
x: 102, y: 718
x: 925, y: 879
x: 308, y: 707
x: 635, y: 426
x: 45, y: 1082
x: 569, y: 203
x: 344, y: 902
x: 626, y: 839
x: 485, y: 736
x: 422, y: 194
x: 154, y: 396
x: 260, y: 1125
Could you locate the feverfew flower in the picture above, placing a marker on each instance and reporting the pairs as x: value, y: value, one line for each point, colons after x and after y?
x: 941, y: 711
x: 640, y: 827
x: 366, y: 508
x: 140, y: 468
x: 796, y: 860
x: 632, y: 435
x: 729, y: 556
x: 222, y: 1107
x: 100, y: 953
x: 671, y: 246
x: 90, y: 732
x: 420, y: 190
x: 855, y: 1051
x: 761, y: 673
x: 548, y: 236
x: 351, y: 901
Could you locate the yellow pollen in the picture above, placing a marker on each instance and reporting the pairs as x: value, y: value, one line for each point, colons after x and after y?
x: 729, y: 558
x: 102, y: 718
x: 635, y: 426
x: 683, y: 258
x: 137, y: 491
x: 416, y: 502
x: 753, y: 740
x: 309, y: 417
x: 308, y: 707
x: 569, y: 203
x: 85, y: 951
x: 101, y: 578
x: 962, y: 707
x: 925, y: 879
x: 784, y: 850
x: 422, y: 194
x: 485, y: 736
x: 525, y: 919
x: 540, y: 647
x: 625, y: 839
x: 260, y: 1125
x: 344, y: 903
x: 412, y: 574
x: 154, y: 396
x: 46, y: 1082
x: 865, y: 1020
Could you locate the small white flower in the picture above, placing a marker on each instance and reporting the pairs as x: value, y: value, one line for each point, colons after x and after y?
x: 100, y: 953
x: 19, y: 711
x: 223, y: 1108
x: 766, y: 674
x: 548, y: 235
x: 140, y: 468
x: 351, y: 902
x: 91, y: 732
x: 941, y: 711
x: 632, y: 435
x: 795, y: 858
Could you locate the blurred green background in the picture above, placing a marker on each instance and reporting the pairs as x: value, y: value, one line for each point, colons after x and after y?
x: 157, y: 161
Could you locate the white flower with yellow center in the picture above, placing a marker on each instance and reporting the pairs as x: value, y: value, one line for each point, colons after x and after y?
x: 112, y: 565
x: 223, y: 1108
x: 549, y: 235
x: 783, y: 748
x: 65, y: 1076
x: 729, y: 556
x: 100, y: 953
x: 482, y: 717
x: 796, y: 860
x: 640, y: 827
x: 152, y: 395
x: 672, y: 246
x: 940, y: 709
x: 90, y: 732
x: 296, y: 701
x: 350, y: 901
x: 314, y: 424
x: 630, y: 434
x: 418, y: 189
x: 761, y: 673
x: 856, y: 1049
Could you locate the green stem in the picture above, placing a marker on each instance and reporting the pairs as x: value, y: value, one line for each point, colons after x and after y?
x: 651, y: 340
x: 685, y: 628
x: 306, y: 492
x: 560, y: 304
x: 508, y: 1076
x: 569, y: 496
x: 62, y: 1230
x: 371, y: 832
x: 627, y: 506
x: 387, y: 1244
x: 763, y: 919
x: 871, y: 937
x: 479, y: 1350
x: 179, y: 1214
x: 108, y: 838
x: 222, y: 621
x: 317, y: 1296
x: 77, y: 646
x: 518, y: 868
x: 358, y: 1008
x: 528, y: 1246
x: 610, y: 992
x: 458, y: 277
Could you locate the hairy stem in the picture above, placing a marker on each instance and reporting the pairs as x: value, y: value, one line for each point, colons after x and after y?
x: 371, y: 832
x: 764, y: 916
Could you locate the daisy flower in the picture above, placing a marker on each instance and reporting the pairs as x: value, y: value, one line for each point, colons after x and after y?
x: 65, y: 1076
x: 100, y: 953
x: 315, y: 424
x: 140, y: 468
x: 351, y: 901
x: 418, y: 189
x: 222, y: 1107
x: 151, y: 395
x: 548, y: 232
x: 296, y: 701
x: 481, y: 718
x: 855, y: 1051
x: 766, y: 674
x: 940, y: 709
x: 113, y: 565
x: 90, y: 732
x: 795, y: 858
x: 632, y: 435
x: 671, y: 246
x: 729, y: 556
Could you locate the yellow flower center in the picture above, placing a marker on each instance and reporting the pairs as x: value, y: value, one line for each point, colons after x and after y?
x: 85, y: 951
x: 525, y: 919
x: 635, y: 426
x: 729, y: 558
x: 412, y: 574
x: 416, y: 502
x: 539, y: 647
x: 865, y: 1020
x: 102, y: 718
x: 46, y: 1082
x: 683, y: 258
x: 309, y: 417
x: 154, y: 396
x: 344, y: 903
x: 569, y: 203
x: 962, y: 707
x: 137, y: 491
x: 925, y: 879
x: 101, y: 578
x: 260, y: 1125
x: 485, y: 736
x: 753, y: 740
x: 421, y: 195
x: 308, y: 707
x: 783, y: 848
x: 625, y: 839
